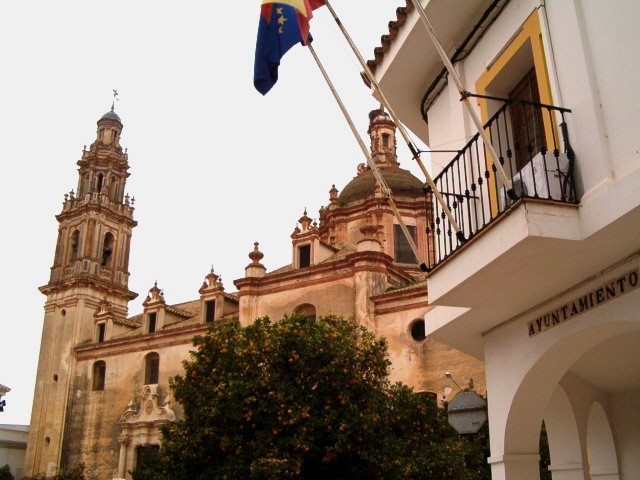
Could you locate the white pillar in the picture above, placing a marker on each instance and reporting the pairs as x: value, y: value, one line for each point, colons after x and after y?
x: 569, y: 471
x: 515, y: 467
x: 122, y: 461
x: 604, y: 475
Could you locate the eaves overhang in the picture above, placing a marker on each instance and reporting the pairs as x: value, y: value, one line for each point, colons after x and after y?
x: 536, y: 252
x: 407, y: 65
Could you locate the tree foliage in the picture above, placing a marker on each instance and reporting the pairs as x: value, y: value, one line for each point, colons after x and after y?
x: 73, y: 472
x: 301, y: 399
x: 5, y: 473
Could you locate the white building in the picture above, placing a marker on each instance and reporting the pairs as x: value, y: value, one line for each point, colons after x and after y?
x: 545, y: 289
x: 13, y: 442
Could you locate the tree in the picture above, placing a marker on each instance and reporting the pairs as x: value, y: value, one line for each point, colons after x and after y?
x: 5, y: 473
x: 74, y: 472
x: 300, y: 399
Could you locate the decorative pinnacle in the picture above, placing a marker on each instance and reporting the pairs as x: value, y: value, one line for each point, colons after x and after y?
x: 115, y: 95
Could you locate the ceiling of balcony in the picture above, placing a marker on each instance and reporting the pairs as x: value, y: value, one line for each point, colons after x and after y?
x: 412, y: 63
x: 530, y: 277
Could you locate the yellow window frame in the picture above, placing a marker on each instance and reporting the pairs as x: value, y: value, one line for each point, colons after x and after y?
x: 530, y: 32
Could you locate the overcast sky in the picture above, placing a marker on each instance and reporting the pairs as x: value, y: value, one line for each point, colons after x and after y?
x: 215, y: 166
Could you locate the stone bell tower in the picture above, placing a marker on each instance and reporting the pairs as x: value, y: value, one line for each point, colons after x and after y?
x: 90, y: 266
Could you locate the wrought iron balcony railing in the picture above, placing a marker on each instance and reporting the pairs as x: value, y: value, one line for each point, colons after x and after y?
x: 533, y: 147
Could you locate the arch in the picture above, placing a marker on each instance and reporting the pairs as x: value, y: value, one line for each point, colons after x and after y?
x: 86, y: 184
x: 417, y: 330
x: 141, y: 425
x: 151, y: 368
x: 562, y: 433
x: 107, y: 249
x: 99, y: 375
x: 306, y: 310
x: 525, y: 378
x: 99, y: 182
x: 603, y: 461
x: 74, y: 245
x: 113, y: 188
x: 524, y: 417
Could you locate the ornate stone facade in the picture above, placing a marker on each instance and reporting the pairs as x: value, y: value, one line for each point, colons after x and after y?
x: 102, y: 390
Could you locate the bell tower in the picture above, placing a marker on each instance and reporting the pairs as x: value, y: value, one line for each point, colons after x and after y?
x: 90, y: 266
x: 382, y: 131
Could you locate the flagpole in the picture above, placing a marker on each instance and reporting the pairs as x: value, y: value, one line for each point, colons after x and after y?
x: 403, y: 132
x: 464, y: 96
x: 372, y: 164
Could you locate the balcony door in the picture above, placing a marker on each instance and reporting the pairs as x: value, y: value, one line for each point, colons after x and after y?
x: 526, y: 121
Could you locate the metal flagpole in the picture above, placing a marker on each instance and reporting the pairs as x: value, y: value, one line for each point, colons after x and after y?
x: 374, y: 168
x: 464, y: 96
x: 414, y: 150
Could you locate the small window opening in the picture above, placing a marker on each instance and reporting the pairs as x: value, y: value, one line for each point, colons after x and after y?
x: 209, y: 311
x: 113, y: 188
x: 75, y: 241
x: 403, y: 251
x: 99, y: 373
x: 304, y: 256
x: 101, y: 331
x: 107, y: 249
x: 99, y: 183
x: 418, y: 331
x: 307, y: 311
x: 152, y: 322
x: 385, y: 140
x: 151, y: 368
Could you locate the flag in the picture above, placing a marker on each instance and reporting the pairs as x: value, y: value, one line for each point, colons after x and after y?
x: 282, y: 24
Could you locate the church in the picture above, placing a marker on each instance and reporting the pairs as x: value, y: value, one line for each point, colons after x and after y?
x: 102, y: 387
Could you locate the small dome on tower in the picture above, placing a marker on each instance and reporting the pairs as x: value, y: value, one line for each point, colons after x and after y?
x: 111, y: 116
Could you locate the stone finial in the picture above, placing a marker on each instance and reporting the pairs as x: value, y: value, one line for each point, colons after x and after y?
x: 211, y: 277
x: 255, y: 268
x: 333, y: 194
x: 369, y: 241
x: 256, y: 255
x: 212, y: 283
x: 156, y: 293
x: 304, y: 220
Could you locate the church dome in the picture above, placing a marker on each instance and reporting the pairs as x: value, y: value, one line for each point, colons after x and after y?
x: 401, y: 182
x: 111, y: 115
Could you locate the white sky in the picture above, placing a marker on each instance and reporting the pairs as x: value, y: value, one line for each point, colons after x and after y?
x: 215, y: 166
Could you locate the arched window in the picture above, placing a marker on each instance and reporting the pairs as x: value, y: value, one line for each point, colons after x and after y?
x: 417, y: 330
x: 99, y: 374
x: 86, y: 185
x: 74, y: 245
x: 306, y: 310
x: 99, y: 182
x: 107, y: 249
x: 151, y: 368
x: 113, y: 188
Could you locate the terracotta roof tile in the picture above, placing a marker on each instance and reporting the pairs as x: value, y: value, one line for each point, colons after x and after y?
x: 387, y: 39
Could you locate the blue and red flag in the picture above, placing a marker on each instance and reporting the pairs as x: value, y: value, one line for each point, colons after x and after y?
x: 282, y: 24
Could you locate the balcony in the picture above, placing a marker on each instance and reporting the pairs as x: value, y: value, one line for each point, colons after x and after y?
x: 505, y: 259
x: 533, y: 149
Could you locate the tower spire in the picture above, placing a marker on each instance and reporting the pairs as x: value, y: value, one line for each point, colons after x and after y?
x: 115, y: 97
x: 88, y: 283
